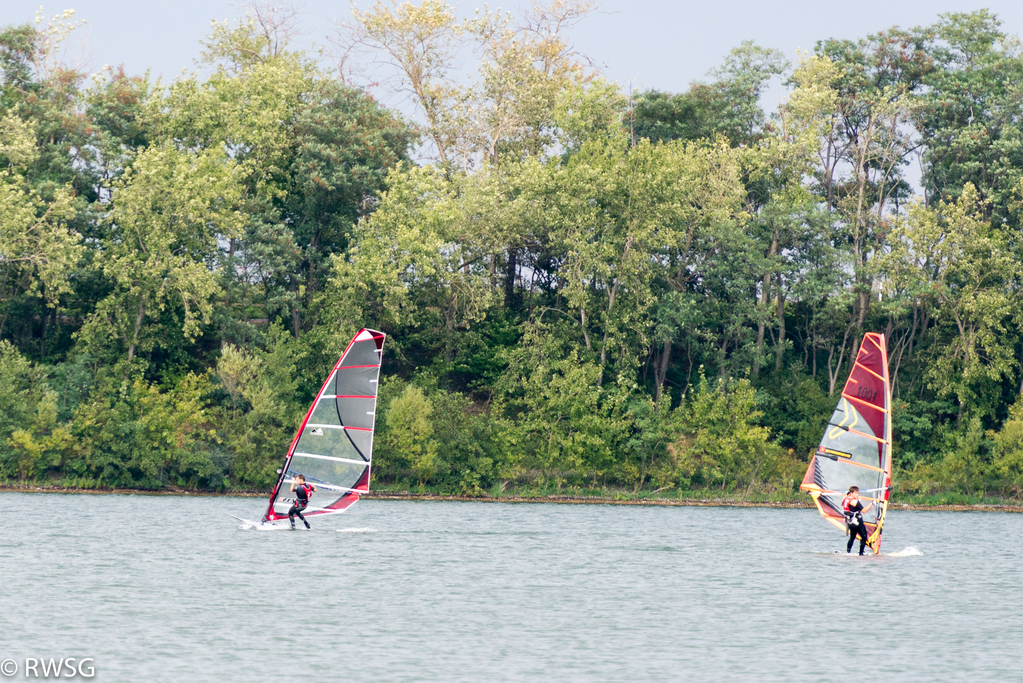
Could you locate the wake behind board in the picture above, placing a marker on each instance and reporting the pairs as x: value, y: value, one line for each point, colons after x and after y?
x: 260, y: 526
x: 911, y: 551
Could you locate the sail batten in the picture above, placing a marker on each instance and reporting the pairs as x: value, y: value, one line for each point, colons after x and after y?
x: 333, y: 448
x: 332, y: 458
x: 862, y: 402
x: 856, y: 447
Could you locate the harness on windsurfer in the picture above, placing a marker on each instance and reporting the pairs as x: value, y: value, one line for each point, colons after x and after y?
x: 853, y: 510
x: 302, y: 491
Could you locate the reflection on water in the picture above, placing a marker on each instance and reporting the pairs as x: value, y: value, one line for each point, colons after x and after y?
x: 171, y: 589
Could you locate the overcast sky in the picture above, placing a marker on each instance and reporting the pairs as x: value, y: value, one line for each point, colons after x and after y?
x: 656, y: 44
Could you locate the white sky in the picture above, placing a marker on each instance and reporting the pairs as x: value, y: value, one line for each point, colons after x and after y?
x: 650, y: 43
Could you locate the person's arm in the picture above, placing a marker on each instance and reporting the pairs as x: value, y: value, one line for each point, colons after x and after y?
x: 313, y: 486
x: 292, y: 485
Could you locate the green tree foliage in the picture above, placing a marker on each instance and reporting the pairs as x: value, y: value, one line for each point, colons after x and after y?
x: 132, y: 433
x: 718, y: 442
x: 729, y: 107
x: 410, y: 432
x: 18, y: 403
x: 258, y: 421
x: 168, y: 211
x: 970, y: 113
x: 588, y: 289
x: 1008, y: 452
x: 40, y: 248
x: 963, y: 270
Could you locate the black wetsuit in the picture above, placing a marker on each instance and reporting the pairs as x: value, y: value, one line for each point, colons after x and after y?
x: 301, y: 502
x: 854, y: 520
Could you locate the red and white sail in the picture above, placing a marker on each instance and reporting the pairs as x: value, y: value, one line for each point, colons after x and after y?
x: 333, y: 448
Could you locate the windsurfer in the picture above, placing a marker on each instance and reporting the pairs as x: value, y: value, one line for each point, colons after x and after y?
x: 853, y: 509
x: 302, y: 492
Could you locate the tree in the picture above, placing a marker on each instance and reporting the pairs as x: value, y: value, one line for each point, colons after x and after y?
x: 25, y: 390
x: 567, y: 422
x: 263, y: 384
x: 40, y: 250
x: 168, y: 211
x: 867, y: 144
x: 718, y: 440
x: 962, y: 269
x: 410, y: 432
x: 524, y: 69
x: 421, y: 43
x: 970, y: 115
x: 728, y: 107
x: 1008, y: 451
x: 346, y: 144
x: 509, y: 108
x: 417, y: 261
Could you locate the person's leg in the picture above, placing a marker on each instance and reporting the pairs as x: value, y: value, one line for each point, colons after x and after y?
x: 863, y: 536
x: 291, y: 515
x: 298, y: 512
x: 852, y: 539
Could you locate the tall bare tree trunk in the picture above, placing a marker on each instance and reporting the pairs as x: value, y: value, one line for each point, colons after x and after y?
x: 833, y: 370
x: 765, y: 296
x: 509, y: 279
x: 661, y: 371
x: 138, y: 326
x: 779, y: 351
x: 1020, y: 392
x: 762, y: 325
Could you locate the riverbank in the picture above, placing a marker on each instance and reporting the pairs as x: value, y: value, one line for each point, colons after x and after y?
x: 618, y: 499
x: 693, y: 502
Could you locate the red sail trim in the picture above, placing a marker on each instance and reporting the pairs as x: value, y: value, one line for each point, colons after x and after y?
x: 345, y: 502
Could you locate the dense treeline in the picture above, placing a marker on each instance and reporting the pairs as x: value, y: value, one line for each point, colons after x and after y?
x: 582, y: 289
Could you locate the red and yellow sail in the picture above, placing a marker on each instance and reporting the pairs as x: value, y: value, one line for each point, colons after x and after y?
x: 856, y: 449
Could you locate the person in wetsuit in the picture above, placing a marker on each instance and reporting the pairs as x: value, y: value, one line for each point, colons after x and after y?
x: 853, y: 509
x: 302, y: 492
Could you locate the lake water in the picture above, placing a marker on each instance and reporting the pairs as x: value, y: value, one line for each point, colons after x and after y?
x: 160, y: 588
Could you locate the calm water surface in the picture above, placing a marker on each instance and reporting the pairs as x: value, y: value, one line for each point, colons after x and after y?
x: 171, y: 589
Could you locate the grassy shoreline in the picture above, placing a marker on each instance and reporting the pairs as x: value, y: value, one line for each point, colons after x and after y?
x: 697, y: 499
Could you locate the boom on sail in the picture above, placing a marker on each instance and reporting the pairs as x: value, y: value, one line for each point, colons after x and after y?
x: 856, y: 449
